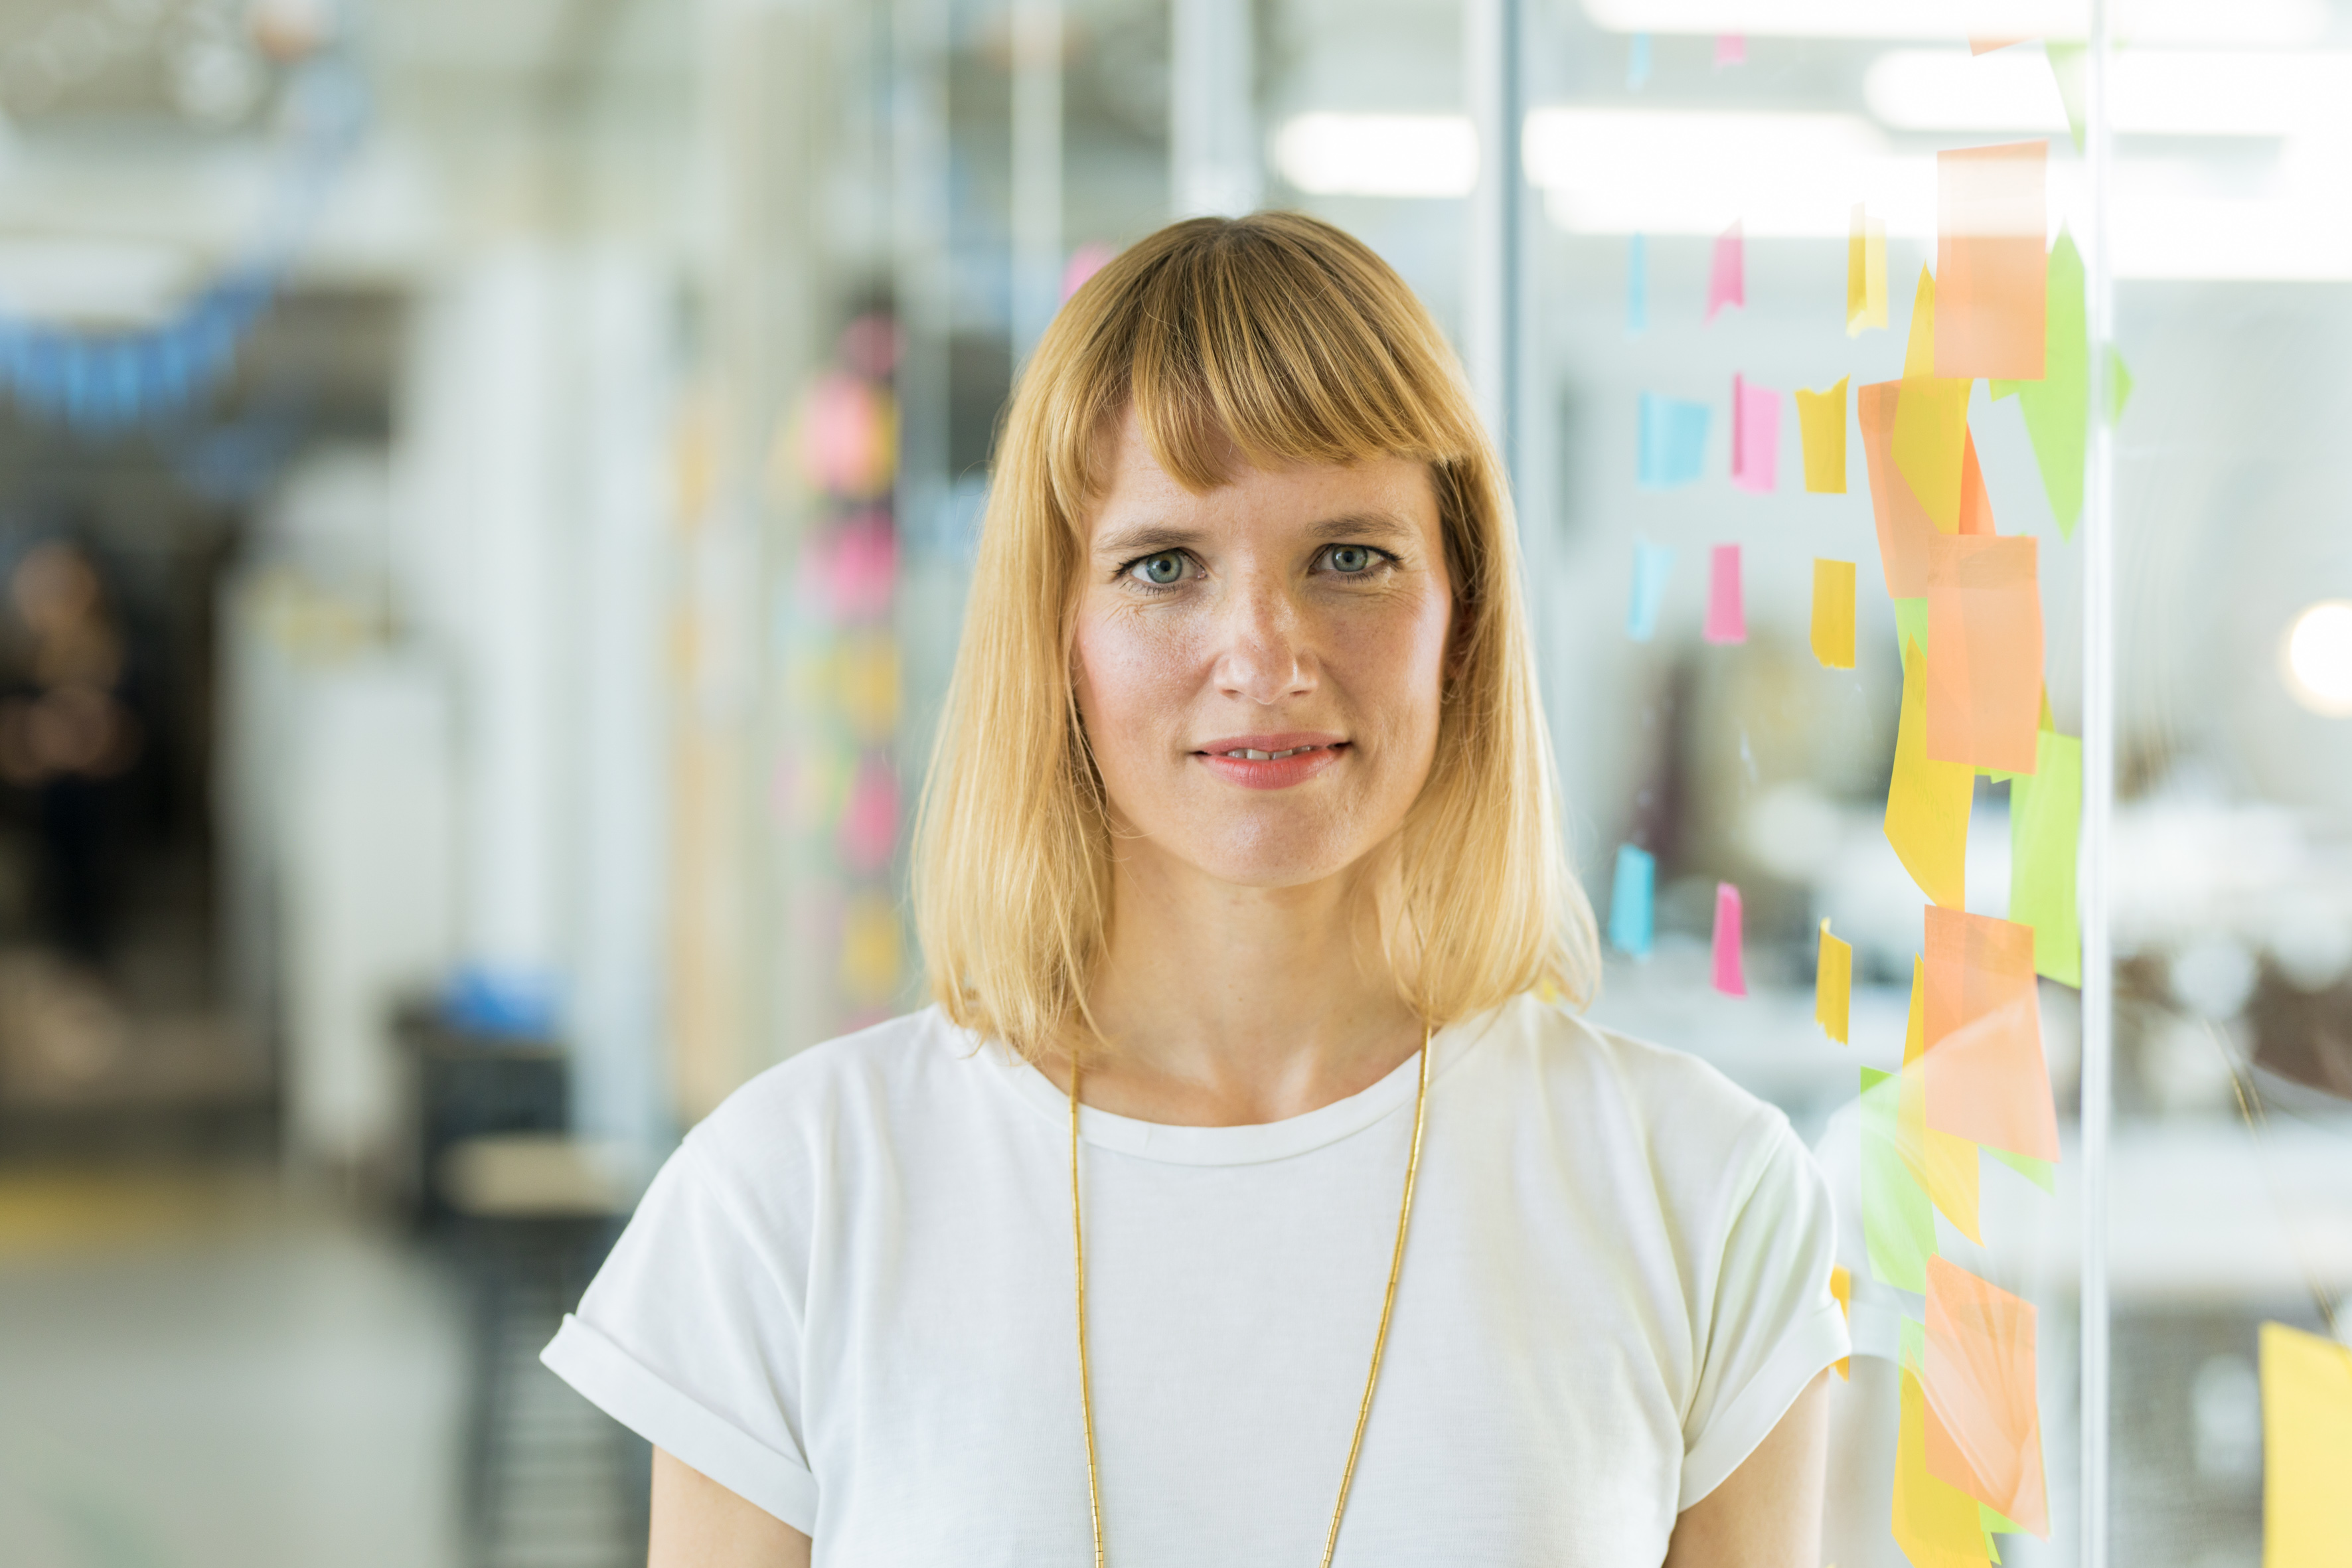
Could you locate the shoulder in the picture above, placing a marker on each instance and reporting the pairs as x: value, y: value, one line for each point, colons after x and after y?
x: 826, y: 1106
x: 1632, y: 1105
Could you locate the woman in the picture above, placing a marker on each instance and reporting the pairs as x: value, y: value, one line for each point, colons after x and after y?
x: 1240, y: 836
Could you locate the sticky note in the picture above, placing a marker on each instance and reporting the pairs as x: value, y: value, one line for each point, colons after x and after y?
x: 1935, y: 1524
x: 1987, y: 1081
x: 1755, y: 436
x: 1946, y: 1166
x: 1984, y: 652
x: 1982, y: 1430
x: 1820, y: 424
x: 2119, y: 385
x: 1931, y: 417
x: 1673, y: 440
x: 2045, y: 816
x: 1904, y: 529
x: 1911, y: 624
x: 2041, y: 1172
x: 1927, y: 801
x: 869, y: 822
x: 1833, y: 985
x: 1976, y: 506
x: 1990, y: 217
x: 1653, y: 565
x: 1833, y: 613
x: 1726, y: 280
x: 1731, y: 49
x: 1726, y: 612
x: 1730, y: 975
x: 1637, y: 285
x: 2057, y: 407
x: 1630, y: 895
x: 1898, y: 1228
x: 1981, y: 43
x: 1841, y: 1287
x: 2069, y: 68
x: 1637, y: 62
x: 2306, y: 1448
x: 1865, y: 272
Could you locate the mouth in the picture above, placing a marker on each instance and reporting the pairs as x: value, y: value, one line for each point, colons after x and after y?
x: 1272, y: 762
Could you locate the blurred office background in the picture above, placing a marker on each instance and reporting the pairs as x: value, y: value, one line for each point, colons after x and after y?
x: 486, y: 492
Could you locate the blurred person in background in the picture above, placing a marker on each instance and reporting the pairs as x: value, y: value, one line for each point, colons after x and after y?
x: 68, y: 736
x: 1251, y: 935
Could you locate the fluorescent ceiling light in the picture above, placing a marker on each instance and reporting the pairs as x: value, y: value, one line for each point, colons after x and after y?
x: 1329, y: 154
x: 2273, y: 22
x: 2317, y: 658
x: 2157, y: 92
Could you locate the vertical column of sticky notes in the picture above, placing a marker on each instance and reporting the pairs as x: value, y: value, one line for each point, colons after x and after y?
x: 1969, y: 628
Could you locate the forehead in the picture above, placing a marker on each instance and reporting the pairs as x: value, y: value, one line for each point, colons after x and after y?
x: 1137, y: 487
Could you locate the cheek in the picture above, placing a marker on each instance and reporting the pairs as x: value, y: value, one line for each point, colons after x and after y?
x: 1126, y: 670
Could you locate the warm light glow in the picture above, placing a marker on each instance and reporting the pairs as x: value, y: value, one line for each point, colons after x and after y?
x: 2317, y: 658
x: 1329, y: 154
x: 2271, y: 22
x: 2157, y: 92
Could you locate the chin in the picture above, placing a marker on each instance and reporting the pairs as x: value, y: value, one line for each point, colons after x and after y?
x: 1298, y: 859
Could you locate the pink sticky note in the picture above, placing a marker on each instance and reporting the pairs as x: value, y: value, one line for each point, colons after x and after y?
x: 1085, y: 262
x: 1727, y: 284
x: 1726, y: 612
x: 1731, y: 975
x: 1731, y: 49
x: 869, y: 825
x: 1755, y: 436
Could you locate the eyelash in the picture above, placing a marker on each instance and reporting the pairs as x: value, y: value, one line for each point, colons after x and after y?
x: 1379, y: 558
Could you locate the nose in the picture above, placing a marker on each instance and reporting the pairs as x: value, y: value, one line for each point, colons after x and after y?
x: 1264, y: 652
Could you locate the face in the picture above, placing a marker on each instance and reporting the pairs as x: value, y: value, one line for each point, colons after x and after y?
x: 1260, y: 669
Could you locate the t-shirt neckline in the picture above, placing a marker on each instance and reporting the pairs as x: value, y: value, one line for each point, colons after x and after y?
x: 1256, y: 1143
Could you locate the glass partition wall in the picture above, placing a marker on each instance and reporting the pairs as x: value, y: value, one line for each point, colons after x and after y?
x: 1920, y: 442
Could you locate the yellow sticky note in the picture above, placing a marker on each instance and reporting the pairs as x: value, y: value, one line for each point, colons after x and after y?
x: 1865, y: 272
x: 1833, y: 613
x: 1841, y: 1287
x: 1931, y: 417
x: 1927, y: 801
x: 1935, y: 1524
x: 2306, y: 1450
x: 1821, y: 420
x: 1833, y: 985
x: 1945, y: 1165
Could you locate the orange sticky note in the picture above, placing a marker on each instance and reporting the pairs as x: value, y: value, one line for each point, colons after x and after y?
x: 1904, y: 529
x: 1927, y: 801
x: 1833, y: 985
x: 1833, y: 613
x: 1946, y: 1167
x: 1821, y: 421
x: 1986, y: 1078
x: 1984, y: 652
x: 1990, y: 221
x: 1976, y: 507
x: 1841, y: 1287
x: 1984, y: 1432
x: 1931, y: 416
x: 1935, y: 1524
x: 2306, y: 1448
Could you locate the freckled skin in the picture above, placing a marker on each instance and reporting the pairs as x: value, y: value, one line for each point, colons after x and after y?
x: 1262, y: 632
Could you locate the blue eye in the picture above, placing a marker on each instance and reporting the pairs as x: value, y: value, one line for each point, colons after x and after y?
x: 1350, y: 558
x: 1159, y: 571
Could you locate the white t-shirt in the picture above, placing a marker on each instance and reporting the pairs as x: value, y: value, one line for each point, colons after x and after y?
x: 848, y: 1299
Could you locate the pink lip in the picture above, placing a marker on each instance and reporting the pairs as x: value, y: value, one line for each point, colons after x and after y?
x: 1272, y: 773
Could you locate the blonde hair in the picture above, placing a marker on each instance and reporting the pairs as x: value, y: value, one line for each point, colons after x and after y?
x: 1279, y: 338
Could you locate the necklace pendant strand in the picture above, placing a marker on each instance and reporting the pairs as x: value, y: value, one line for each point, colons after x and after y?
x: 1380, y: 1340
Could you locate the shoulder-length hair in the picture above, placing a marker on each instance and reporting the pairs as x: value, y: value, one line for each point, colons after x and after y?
x: 1280, y: 338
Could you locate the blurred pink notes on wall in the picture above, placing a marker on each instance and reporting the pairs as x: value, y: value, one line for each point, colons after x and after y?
x: 861, y: 568
x: 1755, y: 436
x: 1085, y: 262
x: 869, y: 824
x: 1730, y: 972
x: 1731, y: 49
x: 1726, y: 611
x: 1726, y: 281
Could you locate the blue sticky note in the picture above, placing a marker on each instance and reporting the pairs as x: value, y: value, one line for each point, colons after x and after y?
x: 1637, y: 62
x: 1629, y: 901
x: 1637, y: 285
x: 1652, y: 563
x: 1674, y: 441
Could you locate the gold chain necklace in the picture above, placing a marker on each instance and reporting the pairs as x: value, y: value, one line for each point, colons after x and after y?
x: 1380, y: 1341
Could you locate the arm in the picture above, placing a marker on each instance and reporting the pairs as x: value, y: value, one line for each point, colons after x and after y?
x: 1768, y: 1514
x: 698, y: 1523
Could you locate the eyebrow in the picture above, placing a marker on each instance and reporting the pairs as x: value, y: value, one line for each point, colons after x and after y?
x: 1146, y: 539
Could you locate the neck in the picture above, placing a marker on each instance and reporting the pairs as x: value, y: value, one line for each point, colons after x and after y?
x: 1226, y: 1005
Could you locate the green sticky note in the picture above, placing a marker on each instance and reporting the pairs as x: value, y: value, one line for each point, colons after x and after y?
x: 2057, y: 407
x: 1898, y: 1224
x: 2045, y: 820
x: 1911, y: 622
x: 2069, y: 68
x: 2041, y: 1172
x: 2002, y: 389
x: 2119, y: 385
